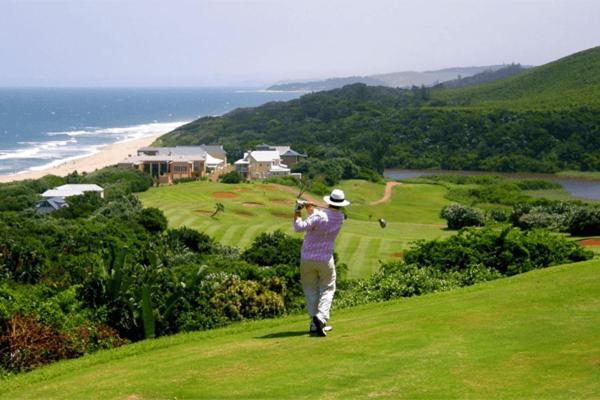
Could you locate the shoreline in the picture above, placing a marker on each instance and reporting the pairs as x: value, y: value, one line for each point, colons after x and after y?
x: 108, y: 155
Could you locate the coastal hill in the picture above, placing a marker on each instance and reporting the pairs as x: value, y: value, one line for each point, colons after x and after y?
x: 572, y: 81
x: 541, y: 327
x: 514, y: 124
x: 395, y: 79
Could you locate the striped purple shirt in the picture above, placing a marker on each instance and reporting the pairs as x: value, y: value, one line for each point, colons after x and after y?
x: 321, y: 230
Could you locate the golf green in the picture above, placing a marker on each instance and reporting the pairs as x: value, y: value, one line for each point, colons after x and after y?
x: 252, y: 208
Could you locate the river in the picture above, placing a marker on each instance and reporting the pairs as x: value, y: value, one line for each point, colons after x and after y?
x: 580, y: 188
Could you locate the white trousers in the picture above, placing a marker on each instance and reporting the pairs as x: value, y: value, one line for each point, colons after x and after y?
x: 318, y: 282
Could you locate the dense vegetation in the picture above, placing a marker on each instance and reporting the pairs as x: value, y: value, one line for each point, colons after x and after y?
x: 495, y: 193
x: 543, y: 120
x: 105, y: 272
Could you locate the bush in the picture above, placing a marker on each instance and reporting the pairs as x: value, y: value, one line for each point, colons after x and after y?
x: 459, y: 216
x: 153, y: 220
x: 269, y: 249
x: 237, y: 299
x: 584, y: 221
x: 508, y: 251
x: 196, y: 241
x: 497, y: 215
x: 38, y: 326
x: 398, y: 279
x: 231, y: 177
x: 111, y: 178
x: 537, y: 184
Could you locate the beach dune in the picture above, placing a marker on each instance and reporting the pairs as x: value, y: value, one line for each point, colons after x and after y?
x: 108, y: 155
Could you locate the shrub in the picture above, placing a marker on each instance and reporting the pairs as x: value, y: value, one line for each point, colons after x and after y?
x: 537, y: 219
x: 273, y: 249
x: 537, y: 184
x: 398, y: 279
x: 584, y: 221
x: 459, y: 216
x: 113, y: 178
x: 497, y: 215
x: 231, y: 177
x: 508, y: 251
x: 196, y: 241
x: 153, y: 220
x: 237, y: 299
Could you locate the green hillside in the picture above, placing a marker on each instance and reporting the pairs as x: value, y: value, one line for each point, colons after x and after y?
x: 531, y: 336
x: 572, y: 81
x: 542, y: 120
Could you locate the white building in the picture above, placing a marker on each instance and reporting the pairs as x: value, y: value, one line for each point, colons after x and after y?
x: 73, y: 190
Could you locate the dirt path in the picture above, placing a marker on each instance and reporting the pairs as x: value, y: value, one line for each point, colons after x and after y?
x: 387, y: 194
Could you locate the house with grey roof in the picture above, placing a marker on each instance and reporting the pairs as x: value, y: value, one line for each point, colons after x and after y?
x: 55, y: 199
x: 167, y: 164
x: 267, y: 161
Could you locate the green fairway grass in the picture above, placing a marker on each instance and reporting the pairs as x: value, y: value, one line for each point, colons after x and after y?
x: 253, y: 208
x: 525, y: 337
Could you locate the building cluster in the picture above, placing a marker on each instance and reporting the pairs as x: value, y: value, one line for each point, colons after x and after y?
x: 168, y: 164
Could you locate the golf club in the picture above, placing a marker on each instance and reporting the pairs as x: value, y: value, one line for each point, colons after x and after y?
x: 301, y: 203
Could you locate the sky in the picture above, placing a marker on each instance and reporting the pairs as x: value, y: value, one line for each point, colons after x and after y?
x: 101, y: 43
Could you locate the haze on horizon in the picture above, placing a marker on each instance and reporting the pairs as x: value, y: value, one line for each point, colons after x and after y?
x: 258, y: 42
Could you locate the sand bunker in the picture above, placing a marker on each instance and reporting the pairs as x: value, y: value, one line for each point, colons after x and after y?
x: 252, y: 204
x: 281, y: 214
x: 590, y: 243
x: 266, y: 187
x: 398, y: 254
x: 204, y: 212
x: 285, y: 202
x: 242, y: 190
x: 243, y: 213
x: 224, y: 195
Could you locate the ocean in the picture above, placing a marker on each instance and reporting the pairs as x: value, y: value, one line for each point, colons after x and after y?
x: 42, y: 127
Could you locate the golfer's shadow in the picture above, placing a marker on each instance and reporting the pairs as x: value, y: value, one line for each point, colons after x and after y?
x: 279, y: 335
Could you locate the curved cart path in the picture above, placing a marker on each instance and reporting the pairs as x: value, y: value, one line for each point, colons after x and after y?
x: 387, y: 195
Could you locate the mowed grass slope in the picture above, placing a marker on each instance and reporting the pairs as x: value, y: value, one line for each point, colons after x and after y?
x: 250, y: 209
x: 529, y: 336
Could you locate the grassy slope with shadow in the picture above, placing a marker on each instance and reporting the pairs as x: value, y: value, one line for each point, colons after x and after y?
x: 529, y: 336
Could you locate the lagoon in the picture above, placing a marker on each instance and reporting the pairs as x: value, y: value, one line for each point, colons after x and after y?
x: 582, y: 188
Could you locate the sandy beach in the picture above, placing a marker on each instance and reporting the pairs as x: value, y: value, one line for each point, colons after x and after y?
x: 108, y: 155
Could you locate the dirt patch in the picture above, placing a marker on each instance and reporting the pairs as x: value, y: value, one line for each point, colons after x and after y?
x: 398, y: 254
x: 281, y: 214
x: 224, y: 195
x: 243, y: 213
x: 252, y: 204
x: 204, y: 212
x: 285, y: 202
x: 242, y: 190
x: 267, y: 187
x: 590, y: 243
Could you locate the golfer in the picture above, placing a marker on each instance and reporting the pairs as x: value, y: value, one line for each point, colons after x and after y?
x: 317, y: 269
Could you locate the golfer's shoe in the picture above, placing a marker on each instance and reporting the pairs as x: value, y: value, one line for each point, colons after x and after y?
x: 313, y: 328
x: 319, y: 327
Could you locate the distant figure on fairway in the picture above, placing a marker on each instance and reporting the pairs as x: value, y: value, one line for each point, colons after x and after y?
x: 317, y: 268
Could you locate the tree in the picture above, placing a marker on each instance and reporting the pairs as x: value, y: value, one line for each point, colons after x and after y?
x: 219, y: 207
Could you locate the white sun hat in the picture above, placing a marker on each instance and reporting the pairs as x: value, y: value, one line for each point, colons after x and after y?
x: 336, y: 198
